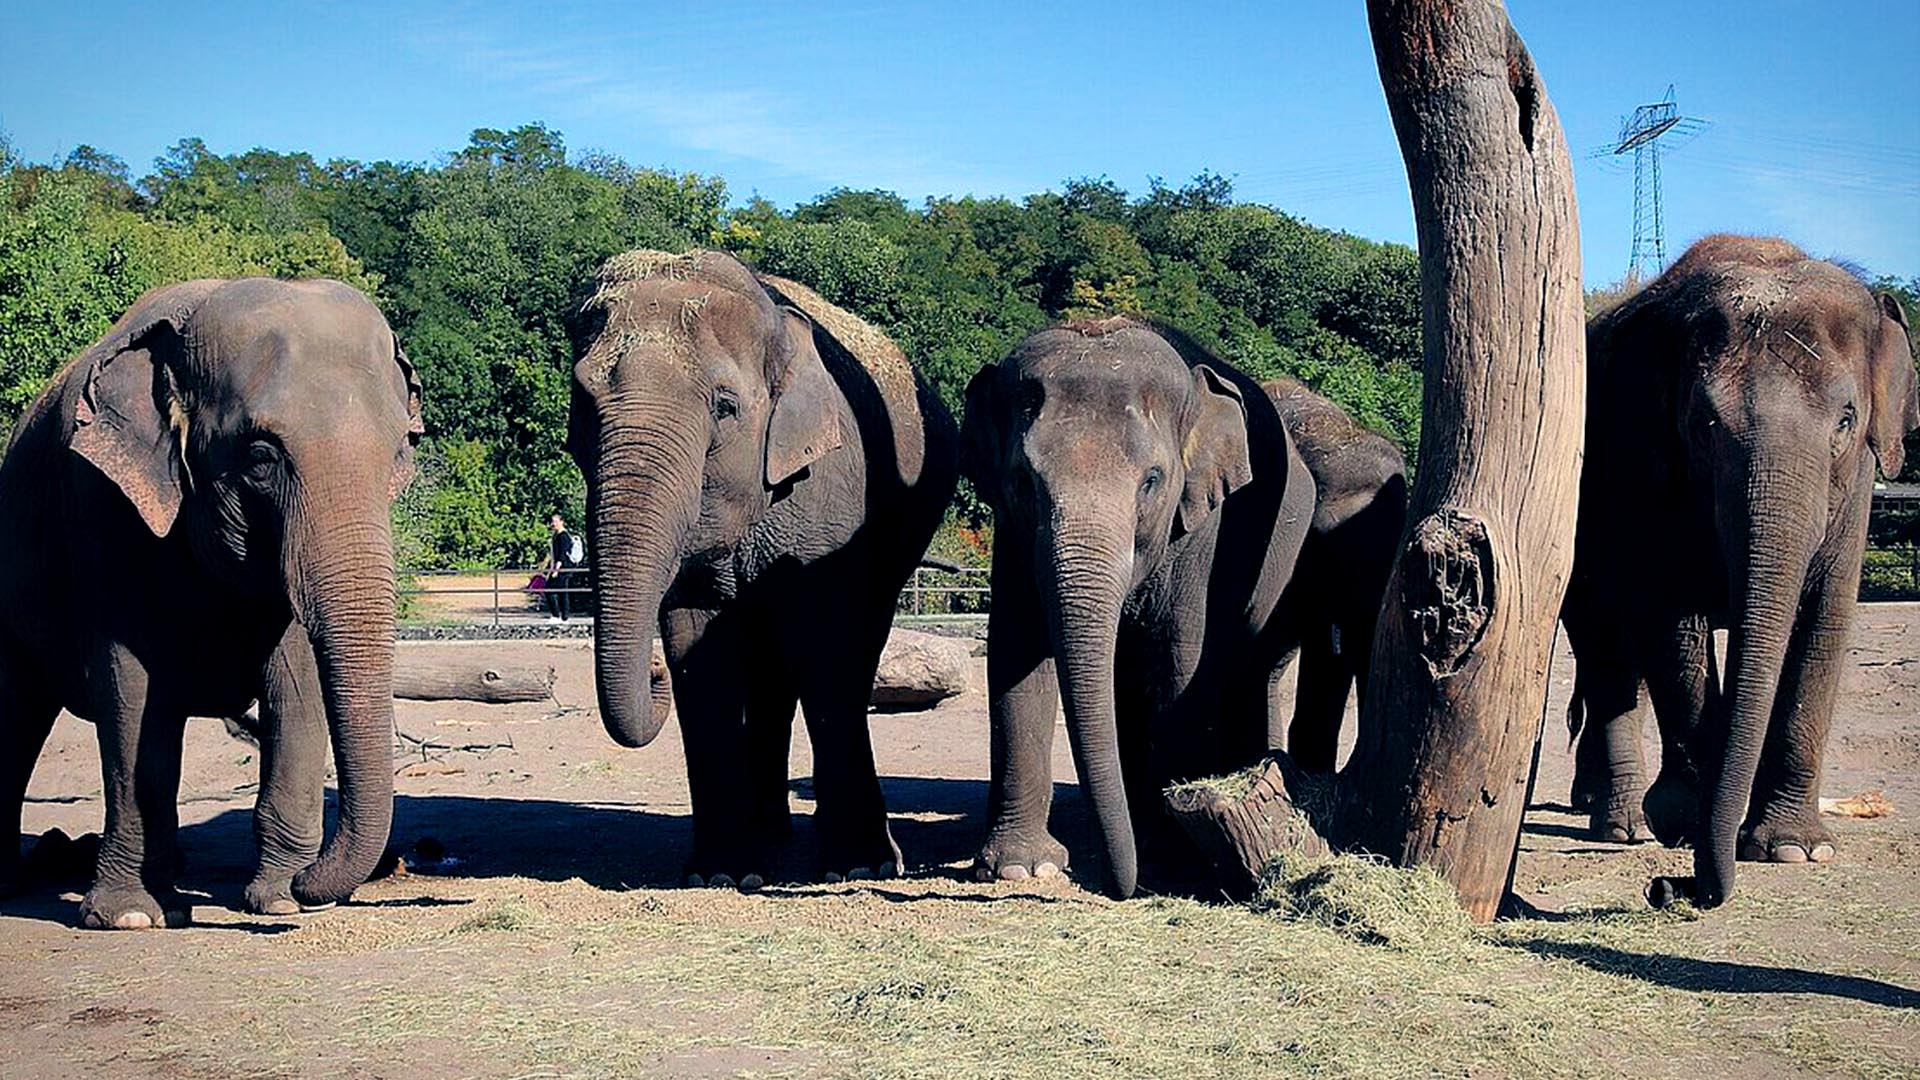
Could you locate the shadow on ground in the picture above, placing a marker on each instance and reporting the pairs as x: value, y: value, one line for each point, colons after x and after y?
x: 1724, y: 977
x: 610, y: 845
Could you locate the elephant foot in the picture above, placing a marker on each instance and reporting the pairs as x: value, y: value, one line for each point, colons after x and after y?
x: 274, y: 896
x: 1017, y: 857
x: 1791, y: 841
x: 132, y: 908
x: 1618, y: 820
x: 1671, y: 809
x: 726, y: 871
x: 848, y: 857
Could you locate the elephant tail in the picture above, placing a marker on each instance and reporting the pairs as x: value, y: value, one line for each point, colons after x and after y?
x: 1576, y: 712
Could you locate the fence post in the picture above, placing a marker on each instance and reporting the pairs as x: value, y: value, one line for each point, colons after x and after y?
x: 496, y: 597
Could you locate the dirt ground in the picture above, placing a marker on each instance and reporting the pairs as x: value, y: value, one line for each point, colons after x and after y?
x: 555, y: 941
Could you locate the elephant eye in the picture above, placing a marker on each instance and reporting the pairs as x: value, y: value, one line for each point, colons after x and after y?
x: 725, y: 406
x: 1848, y: 418
x: 1152, y: 483
x: 262, y: 460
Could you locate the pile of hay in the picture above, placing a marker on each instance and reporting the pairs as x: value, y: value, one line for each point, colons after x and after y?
x: 1365, y: 898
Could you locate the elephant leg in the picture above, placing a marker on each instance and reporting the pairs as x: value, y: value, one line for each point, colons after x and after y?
x: 850, y: 815
x: 26, y: 717
x: 770, y: 704
x: 1278, y: 717
x: 1682, y: 683
x: 1783, y: 820
x: 1608, y: 761
x: 289, y: 816
x: 1023, y: 694
x: 140, y: 749
x: 709, y: 696
x: 1320, y: 702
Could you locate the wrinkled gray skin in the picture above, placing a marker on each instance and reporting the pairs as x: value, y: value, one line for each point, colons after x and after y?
x: 195, y: 514
x: 1737, y: 407
x: 759, y: 496
x: 1148, y: 511
x: 1360, y: 508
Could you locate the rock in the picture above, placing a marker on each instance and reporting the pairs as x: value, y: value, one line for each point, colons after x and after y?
x: 918, y: 670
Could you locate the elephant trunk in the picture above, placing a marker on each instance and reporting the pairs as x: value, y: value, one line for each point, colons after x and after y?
x: 345, y: 599
x: 1769, y: 578
x: 642, y: 504
x: 1777, y: 510
x: 1086, y: 569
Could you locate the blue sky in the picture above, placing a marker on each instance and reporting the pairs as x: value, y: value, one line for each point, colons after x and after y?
x: 1813, y: 108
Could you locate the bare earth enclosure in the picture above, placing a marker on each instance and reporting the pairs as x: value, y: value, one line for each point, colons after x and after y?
x: 555, y: 942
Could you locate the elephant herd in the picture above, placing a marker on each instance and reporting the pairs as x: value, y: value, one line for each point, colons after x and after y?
x: 196, y: 515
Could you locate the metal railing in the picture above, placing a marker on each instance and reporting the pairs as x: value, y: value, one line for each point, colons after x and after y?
x: 498, y: 597
x: 503, y: 597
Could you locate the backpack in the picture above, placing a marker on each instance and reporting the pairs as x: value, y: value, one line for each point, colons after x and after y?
x: 576, y: 550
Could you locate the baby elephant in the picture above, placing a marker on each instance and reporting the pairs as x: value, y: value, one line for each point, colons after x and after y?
x: 1148, y: 508
x: 1736, y: 410
x: 195, y: 514
x: 764, y: 471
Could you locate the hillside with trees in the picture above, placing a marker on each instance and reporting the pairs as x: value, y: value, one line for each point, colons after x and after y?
x: 479, y: 261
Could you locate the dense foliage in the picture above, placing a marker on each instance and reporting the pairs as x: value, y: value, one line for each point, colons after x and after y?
x: 479, y: 261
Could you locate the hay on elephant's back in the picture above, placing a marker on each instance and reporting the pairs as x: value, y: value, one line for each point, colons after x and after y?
x: 865, y: 342
x: 877, y: 354
x: 1307, y: 414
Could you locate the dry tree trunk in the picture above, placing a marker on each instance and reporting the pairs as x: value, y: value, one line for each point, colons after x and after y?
x: 461, y: 675
x: 1439, y: 777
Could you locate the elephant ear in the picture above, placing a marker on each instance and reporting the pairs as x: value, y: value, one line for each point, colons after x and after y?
x: 981, y: 437
x: 805, y: 424
x: 130, y: 422
x: 403, y: 464
x: 1895, y: 405
x: 1215, y: 451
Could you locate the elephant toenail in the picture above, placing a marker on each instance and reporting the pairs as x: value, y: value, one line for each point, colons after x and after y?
x: 310, y: 909
x: 983, y: 872
x: 834, y: 877
x: 1789, y: 853
x: 282, y: 905
x: 177, y: 919
x: 859, y: 873
x: 1046, y: 870
x: 132, y: 920
x: 888, y: 869
x: 720, y: 881
x: 1015, y: 872
x: 695, y: 881
x: 1822, y: 853
x: 751, y: 881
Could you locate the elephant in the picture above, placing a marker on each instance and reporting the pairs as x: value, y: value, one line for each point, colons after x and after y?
x: 764, y: 471
x: 1736, y: 409
x: 196, y: 514
x: 1360, y: 508
x: 1149, y: 507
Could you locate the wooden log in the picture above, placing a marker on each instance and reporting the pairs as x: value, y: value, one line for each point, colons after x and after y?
x: 465, y: 674
x: 1458, y: 682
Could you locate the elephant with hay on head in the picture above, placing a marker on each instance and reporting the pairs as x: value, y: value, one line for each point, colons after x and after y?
x: 764, y: 471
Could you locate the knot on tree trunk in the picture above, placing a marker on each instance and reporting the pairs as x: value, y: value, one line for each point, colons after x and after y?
x: 1447, y: 574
